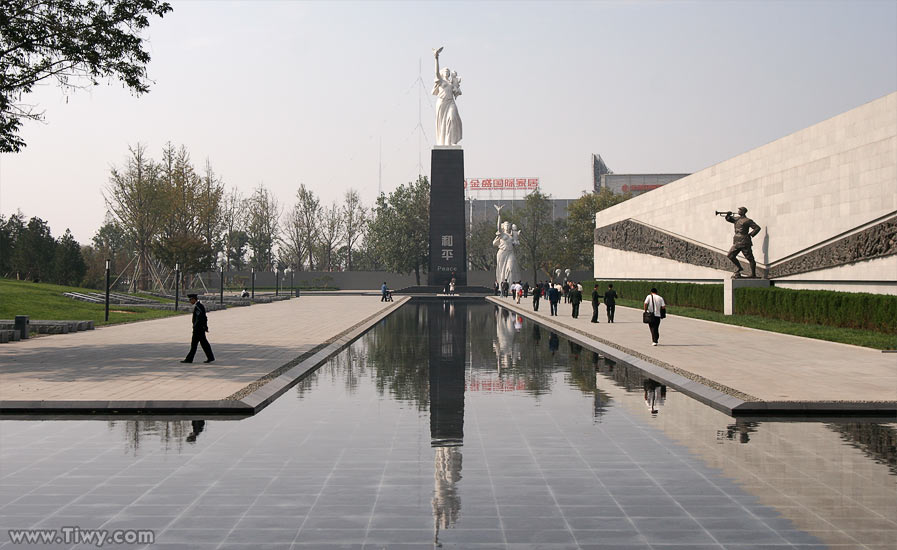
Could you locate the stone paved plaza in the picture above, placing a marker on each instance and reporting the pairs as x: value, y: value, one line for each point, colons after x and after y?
x: 765, y: 365
x: 141, y: 361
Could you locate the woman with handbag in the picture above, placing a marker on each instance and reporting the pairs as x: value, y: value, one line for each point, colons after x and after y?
x: 655, y: 310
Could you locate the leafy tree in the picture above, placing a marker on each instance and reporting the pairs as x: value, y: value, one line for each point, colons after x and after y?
x: 332, y: 232
x: 110, y: 240
x: 10, y: 229
x: 237, y: 242
x: 73, y: 42
x: 263, y: 228
x: 180, y: 239
x: 233, y: 227
x: 480, y: 251
x: 355, y: 215
x: 307, y: 217
x: 69, y: 267
x: 538, y: 233
x: 210, y: 209
x: 35, y: 250
x: 579, y: 246
x: 134, y: 195
x: 400, y: 227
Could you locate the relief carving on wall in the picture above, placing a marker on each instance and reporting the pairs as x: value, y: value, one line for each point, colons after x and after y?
x: 876, y: 241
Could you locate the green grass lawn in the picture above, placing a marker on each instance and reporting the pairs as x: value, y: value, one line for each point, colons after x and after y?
x: 856, y: 337
x: 42, y: 301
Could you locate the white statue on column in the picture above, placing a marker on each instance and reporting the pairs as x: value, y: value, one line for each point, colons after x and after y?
x: 506, y: 238
x: 446, y: 87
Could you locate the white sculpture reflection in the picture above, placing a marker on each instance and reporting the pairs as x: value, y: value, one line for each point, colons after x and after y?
x: 446, y: 87
x: 446, y: 499
x: 506, y: 238
x: 506, y: 344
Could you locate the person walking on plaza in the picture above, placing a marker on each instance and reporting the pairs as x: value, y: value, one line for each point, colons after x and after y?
x: 610, y: 302
x: 554, y: 296
x: 655, y: 310
x: 537, y: 295
x: 595, y: 303
x: 200, y: 328
x: 575, y: 299
x: 526, y: 289
x: 504, y: 288
x: 384, y: 291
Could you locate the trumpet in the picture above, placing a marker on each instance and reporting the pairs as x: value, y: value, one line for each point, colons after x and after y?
x: 727, y: 213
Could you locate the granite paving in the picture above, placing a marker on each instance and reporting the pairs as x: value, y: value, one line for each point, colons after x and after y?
x: 754, y: 365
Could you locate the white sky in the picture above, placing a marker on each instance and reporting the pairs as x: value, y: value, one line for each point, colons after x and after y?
x: 293, y: 92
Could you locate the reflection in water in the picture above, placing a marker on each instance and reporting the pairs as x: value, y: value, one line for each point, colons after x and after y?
x: 170, y: 435
x: 655, y: 394
x: 448, y: 346
x: 198, y: 426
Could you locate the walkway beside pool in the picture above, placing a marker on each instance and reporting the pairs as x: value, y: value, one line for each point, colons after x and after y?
x: 735, y: 369
x: 136, y: 367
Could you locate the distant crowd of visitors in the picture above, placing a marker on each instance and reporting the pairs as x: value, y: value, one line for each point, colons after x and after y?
x: 571, y: 293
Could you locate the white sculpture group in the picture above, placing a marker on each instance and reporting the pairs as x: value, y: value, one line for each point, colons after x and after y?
x: 446, y: 87
x: 507, y: 237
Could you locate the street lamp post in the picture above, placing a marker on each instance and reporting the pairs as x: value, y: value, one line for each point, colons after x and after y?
x: 253, y: 284
x: 276, y: 281
x: 177, y: 285
x: 108, y: 266
x: 290, y: 271
x: 221, y: 262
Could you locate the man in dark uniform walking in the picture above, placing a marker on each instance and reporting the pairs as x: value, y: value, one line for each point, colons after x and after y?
x: 200, y: 328
x: 575, y: 298
x: 596, y: 301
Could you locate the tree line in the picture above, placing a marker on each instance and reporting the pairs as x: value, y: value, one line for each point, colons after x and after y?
x: 168, y: 212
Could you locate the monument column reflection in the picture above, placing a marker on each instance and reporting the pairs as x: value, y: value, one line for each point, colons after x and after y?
x: 448, y: 342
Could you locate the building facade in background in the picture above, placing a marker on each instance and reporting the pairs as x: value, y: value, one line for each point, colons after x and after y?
x: 620, y: 184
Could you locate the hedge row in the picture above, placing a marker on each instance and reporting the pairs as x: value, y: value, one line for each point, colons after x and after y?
x: 876, y: 312
x: 864, y: 311
x: 709, y: 296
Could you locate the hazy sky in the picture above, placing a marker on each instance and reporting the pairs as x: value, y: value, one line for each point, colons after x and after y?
x: 284, y: 93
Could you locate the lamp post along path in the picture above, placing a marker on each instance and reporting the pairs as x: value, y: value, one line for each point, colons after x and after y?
x: 108, y: 266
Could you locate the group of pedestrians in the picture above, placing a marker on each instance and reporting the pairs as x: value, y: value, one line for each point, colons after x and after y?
x: 571, y: 292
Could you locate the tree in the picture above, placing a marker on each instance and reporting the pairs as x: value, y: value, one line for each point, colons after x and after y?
x: 480, y: 251
x: 538, y: 232
x: 233, y: 226
x: 400, y: 228
x: 35, y: 250
x: 263, y: 228
x: 10, y: 229
x: 68, y: 265
x: 355, y: 216
x: 308, y: 210
x: 134, y: 196
x: 580, y: 225
x: 332, y: 233
x: 110, y: 240
x: 180, y: 239
x: 72, y: 42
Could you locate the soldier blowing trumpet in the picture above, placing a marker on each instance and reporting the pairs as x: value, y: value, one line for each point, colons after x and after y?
x: 745, y: 230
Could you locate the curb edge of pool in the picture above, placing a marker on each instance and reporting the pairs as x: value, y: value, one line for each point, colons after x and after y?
x: 715, y: 398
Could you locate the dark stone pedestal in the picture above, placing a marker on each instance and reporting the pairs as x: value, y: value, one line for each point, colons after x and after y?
x: 448, y: 247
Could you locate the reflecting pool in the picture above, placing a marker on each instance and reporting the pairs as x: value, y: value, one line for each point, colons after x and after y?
x: 460, y: 426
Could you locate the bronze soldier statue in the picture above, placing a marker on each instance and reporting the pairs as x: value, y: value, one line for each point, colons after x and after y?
x: 745, y: 229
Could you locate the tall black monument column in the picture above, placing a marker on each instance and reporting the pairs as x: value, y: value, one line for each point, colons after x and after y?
x: 448, y: 246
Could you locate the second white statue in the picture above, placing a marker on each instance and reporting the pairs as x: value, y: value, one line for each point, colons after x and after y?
x: 446, y: 87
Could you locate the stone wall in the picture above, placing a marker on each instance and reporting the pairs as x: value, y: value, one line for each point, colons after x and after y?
x: 825, y: 196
